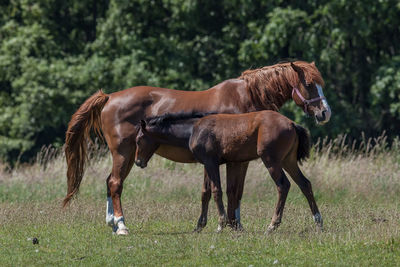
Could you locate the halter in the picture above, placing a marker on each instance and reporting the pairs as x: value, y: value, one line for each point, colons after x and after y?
x: 306, y: 102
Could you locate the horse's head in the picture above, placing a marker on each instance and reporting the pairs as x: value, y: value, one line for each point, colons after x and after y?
x: 307, y: 93
x: 145, y: 146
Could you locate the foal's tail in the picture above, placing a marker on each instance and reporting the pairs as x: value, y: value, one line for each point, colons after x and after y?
x: 303, y: 150
x: 87, y: 117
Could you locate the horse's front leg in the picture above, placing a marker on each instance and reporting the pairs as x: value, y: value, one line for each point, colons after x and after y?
x: 205, y: 200
x: 235, y: 176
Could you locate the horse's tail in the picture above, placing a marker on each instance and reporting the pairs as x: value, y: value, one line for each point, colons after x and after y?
x: 303, y: 149
x: 87, y: 117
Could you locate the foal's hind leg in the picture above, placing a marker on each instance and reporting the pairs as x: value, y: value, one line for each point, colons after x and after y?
x: 213, y: 173
x: 305, y: 185
x: 283, y: 186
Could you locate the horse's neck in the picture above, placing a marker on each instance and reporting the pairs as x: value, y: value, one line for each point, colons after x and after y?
x: 175, y: 134
x: 270, y: 95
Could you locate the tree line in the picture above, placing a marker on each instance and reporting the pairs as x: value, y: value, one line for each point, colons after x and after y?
x: 54, y: 54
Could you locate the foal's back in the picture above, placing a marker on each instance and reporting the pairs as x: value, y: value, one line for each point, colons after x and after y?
x: 243, y: 137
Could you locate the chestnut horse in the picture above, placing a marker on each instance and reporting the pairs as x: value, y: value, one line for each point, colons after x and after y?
x: 218, y: 139
x: 117, y: 116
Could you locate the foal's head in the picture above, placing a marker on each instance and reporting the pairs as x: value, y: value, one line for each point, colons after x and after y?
x: 307, y: 93
x: 146, y: 145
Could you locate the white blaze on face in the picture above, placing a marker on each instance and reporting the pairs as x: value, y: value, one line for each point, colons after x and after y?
x: 324, y: 103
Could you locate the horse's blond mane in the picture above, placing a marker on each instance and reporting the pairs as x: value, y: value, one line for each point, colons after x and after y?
x: 271, y: 86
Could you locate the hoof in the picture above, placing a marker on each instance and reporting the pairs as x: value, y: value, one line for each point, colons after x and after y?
x: 198, y: 229
x: 110, y: 221
x: 319, y: 222
x: 236, y: 226
x: 320, y: 228
x: 239, y: 228
x: 122, y: 232
x: 270, y: 229
x: 201, y: 222
x: 223, y: 222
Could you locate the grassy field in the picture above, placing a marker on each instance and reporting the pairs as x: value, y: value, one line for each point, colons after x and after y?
x: 357, y: 190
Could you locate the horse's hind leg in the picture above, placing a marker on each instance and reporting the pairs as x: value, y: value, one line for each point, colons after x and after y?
x: 205, y: 199
x: 283, y: 186
x: 109, y: 207
x: 123, y: 159
x: 235, y: 176
x: 294, y: 171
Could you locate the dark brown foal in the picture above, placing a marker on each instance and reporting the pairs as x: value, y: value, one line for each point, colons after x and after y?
x: 226, y: 138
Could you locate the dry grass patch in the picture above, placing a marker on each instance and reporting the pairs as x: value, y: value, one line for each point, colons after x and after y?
x: 357, y: 192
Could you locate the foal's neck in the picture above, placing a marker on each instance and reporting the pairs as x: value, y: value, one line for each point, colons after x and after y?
x: 175, y: 134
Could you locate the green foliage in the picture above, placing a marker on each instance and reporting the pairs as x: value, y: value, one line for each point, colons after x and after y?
x: 54, y: 54
x: 385, y: 95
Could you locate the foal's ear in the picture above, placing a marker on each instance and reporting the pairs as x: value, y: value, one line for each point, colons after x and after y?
x: 143, y: 125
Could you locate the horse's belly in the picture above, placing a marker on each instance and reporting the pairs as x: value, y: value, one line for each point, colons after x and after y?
x: 177, y: 154
x: 239, y: 157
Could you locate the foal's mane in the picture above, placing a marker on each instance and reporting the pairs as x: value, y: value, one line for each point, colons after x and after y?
x: 174, y: 117
x: 270, y: 86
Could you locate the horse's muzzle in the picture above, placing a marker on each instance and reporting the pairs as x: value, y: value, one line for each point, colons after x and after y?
x: 140, y: 164
x: 323, y: 116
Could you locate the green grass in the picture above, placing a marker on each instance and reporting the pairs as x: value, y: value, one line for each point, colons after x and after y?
x: 358, y: 195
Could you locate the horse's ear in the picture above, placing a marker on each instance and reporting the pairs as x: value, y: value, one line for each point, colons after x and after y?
x: 296, y: 68
x: 313, y: 64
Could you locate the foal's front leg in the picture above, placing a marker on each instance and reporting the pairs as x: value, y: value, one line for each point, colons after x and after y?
x: 235, y: 176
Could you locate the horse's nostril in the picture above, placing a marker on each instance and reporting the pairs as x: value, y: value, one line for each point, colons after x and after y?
x: 320, y: 116
x: 323, y: 115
